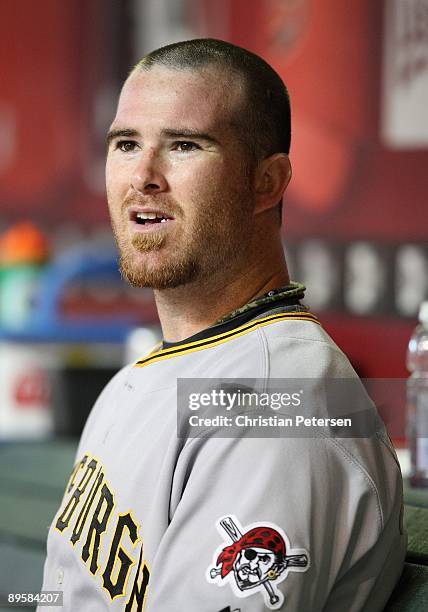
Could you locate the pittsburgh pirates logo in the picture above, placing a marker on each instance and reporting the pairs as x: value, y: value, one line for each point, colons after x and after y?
x: 257, y: 560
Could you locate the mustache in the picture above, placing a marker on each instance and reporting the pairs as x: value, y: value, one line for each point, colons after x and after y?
x: 166, y: 204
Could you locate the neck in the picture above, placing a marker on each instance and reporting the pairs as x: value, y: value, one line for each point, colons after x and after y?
x: 187, y: 310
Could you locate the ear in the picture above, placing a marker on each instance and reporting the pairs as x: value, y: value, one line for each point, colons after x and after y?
x: 271, y: 179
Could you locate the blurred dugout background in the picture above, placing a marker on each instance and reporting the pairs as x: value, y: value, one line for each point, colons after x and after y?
x: 355, y: 215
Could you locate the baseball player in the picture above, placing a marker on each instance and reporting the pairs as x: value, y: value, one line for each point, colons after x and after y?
x: 159, y: 519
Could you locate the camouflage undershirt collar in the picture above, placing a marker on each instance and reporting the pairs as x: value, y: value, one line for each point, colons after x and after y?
x: 292, y: 290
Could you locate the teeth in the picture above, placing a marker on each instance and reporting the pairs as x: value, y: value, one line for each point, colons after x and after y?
x: 143, y: 215
x: 149, y: 215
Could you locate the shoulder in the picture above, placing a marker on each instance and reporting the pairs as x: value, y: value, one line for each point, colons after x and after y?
x: 302, y: 348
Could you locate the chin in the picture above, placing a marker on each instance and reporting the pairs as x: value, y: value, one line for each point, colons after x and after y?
x: 157, y: 275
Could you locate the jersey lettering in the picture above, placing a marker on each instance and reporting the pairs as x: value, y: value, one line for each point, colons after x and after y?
x: 64, y: 519
x: 92, y: 501
x: 79, y: 465
x: 139, y: 590
x: 97, y: 528
x: 119, y: 555
x: 81, y: 519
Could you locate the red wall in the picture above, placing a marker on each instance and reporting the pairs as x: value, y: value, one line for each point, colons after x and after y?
x: 346, y: 184
x: 57, y: 61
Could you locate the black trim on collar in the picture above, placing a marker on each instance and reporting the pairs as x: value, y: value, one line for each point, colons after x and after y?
x: 240, y: 319
x: 198, y: 345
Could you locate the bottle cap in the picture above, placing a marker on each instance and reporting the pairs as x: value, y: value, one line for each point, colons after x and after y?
x: 423, y: 312
x: 23, y: 243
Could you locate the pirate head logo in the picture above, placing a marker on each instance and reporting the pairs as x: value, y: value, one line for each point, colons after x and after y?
x: 256, y: 560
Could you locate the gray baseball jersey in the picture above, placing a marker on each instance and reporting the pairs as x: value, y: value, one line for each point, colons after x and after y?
x: 153, y: 522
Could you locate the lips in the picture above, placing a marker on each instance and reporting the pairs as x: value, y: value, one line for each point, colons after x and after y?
x: 149, y: 218
x: 154, y: 215
x: 247, y: 571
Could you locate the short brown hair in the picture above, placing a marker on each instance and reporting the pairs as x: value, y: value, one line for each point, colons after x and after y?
x: 265, y: 121
x: 264, y: 124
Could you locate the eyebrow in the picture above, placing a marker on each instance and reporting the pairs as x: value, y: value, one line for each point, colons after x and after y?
x: 169, y: 133
x: 120, y: 133
x: 189, y: 133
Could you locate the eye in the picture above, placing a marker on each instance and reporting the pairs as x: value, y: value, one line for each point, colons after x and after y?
x: 186, y: 146
x: 250, y: 554
x: 264, y: 558
x: 126, y: 146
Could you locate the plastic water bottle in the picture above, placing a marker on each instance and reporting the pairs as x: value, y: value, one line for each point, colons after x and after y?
x: 417, y: 400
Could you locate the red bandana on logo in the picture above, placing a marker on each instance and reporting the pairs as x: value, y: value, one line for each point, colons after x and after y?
x: 259, y: 537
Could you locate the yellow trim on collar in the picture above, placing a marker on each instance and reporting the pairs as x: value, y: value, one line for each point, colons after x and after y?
x: 198, y: 345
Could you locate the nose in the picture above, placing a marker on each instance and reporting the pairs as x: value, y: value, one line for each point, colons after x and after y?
x: 148, y: 177
x: 254, y: 563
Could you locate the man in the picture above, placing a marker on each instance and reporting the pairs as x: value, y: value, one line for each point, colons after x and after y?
x: 196, y: 169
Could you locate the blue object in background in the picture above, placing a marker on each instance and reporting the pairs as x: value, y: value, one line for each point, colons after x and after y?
x: 46, y: 323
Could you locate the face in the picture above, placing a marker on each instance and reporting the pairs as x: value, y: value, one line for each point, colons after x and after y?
x: 178, y: 185
x: 252, y: 567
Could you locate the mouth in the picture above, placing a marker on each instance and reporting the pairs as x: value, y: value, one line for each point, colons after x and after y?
x: 247, y: 572
x: 149, y: 219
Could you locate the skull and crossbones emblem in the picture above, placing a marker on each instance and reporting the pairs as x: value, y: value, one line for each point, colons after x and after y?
x: 253, y: 566
x: 256, y: 561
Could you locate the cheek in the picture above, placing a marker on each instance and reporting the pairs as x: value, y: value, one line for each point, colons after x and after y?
x: 212, y: 185
x: 114, y: 201
x: 196, y: 173
x: 117, y: 178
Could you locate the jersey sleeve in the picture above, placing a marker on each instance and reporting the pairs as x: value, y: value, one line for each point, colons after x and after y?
x: 276, y: 524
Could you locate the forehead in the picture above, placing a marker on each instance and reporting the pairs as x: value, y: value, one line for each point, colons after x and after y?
x: 200, y: 98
